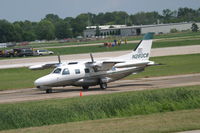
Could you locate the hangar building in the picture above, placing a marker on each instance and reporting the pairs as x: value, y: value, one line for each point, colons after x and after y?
x: 123, y: 30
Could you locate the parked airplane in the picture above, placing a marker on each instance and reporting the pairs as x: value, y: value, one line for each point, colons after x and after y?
x: 91, y: 73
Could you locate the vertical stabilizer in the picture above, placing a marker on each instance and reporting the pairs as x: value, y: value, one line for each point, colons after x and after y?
x: 143, y: 49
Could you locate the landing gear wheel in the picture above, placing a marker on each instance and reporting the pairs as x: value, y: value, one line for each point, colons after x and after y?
x: 103, y: 86
x: 48, y: 90
x: 85, y: 87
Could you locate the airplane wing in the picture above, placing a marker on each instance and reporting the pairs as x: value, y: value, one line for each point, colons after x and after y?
x: 102, y: 65
x: 44, y: 66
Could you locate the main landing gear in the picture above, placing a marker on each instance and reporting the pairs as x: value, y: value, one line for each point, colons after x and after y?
x: 103, y: 86
x: 85, y: 87
x: 49, y: 91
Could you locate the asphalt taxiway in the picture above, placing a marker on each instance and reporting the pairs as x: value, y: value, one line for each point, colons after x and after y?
x: 31, y: 94
x: 155, y: 52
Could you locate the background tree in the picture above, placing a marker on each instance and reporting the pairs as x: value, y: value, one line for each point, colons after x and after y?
x: 45, y: 30
x: 6, y: 31
x: 194, y: 27
x: 145, y: 18
x: 52, y: 26
x: 169, y: 16
x: 18, y: 33
x: 26, y: 30
x: 97, y: 31
x: 63, y: 30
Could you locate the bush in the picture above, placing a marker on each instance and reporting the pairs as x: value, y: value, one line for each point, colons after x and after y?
x: 173, y: 30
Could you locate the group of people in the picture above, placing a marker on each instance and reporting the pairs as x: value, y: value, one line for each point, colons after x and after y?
x: 115, y: 43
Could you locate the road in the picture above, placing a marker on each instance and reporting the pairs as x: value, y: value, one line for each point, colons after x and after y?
x: 194, y: 131
x: 31, y: 94
x: 25, y: 62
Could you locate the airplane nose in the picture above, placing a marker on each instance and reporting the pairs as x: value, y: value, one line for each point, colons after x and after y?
x: 42, y: 81
x: 45, y: 81
x: 38, y: 82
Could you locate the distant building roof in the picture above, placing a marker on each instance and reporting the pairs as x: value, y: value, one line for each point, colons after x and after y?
x: 106, y: 26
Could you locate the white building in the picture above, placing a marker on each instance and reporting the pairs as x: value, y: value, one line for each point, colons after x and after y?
x: 123, y: 30
x: 3, y: 45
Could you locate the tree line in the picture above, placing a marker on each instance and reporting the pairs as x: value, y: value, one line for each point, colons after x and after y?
x: 53, y: 27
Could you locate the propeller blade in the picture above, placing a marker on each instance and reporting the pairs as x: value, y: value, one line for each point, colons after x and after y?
x: 91, y: 56
x: 59, y: 60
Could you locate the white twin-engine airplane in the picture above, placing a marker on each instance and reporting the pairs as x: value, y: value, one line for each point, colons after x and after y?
x: 91, y: 73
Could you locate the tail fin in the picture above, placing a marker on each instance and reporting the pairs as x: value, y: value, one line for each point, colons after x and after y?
x: 143, y: 49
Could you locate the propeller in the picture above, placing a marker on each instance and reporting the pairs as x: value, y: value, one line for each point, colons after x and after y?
x: 91, y: 56
x: 92, y: 59
x: 59, y: 60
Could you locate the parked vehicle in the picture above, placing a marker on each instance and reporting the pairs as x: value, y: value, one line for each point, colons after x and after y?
x: 8, y: 53
x: 23, y: 52
x: 43, y: 52
x: 1, y: 53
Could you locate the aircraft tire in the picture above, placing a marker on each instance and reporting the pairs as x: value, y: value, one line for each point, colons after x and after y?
x: 48, y: 90
x: 85, y: 87
x: 103, y: 86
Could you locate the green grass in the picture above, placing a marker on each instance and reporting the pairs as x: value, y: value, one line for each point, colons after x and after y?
x: 172, y: 65
x: 175, y: 121
x: 179, y: 34
x: 93, y: 49
x: 38, y: 113
x: 110, y: 39
x: 16, y: 78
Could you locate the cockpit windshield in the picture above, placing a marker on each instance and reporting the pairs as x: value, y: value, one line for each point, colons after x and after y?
x: 57, y: 71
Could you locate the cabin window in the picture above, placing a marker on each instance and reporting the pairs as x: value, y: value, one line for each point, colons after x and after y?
x: 77, y: 71
x: 87, y: 70
x: 57, y: 70
x: 66, y: 71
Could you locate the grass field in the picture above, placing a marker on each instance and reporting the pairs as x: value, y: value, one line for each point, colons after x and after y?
x: 110, y: 39
x: 182, y: 64
x: 93, y: 49
x: 186, y: 35
x: 153, y: 123
x: 172, y: 65
x: 169, y: 40
x: 38, y: 113
x: 17, y: 78
x: 179, y: 34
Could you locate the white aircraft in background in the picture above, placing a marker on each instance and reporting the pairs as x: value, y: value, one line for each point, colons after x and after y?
x: 91, y: 73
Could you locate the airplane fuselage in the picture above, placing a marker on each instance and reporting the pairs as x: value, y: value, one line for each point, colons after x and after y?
x: 81, y: 75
